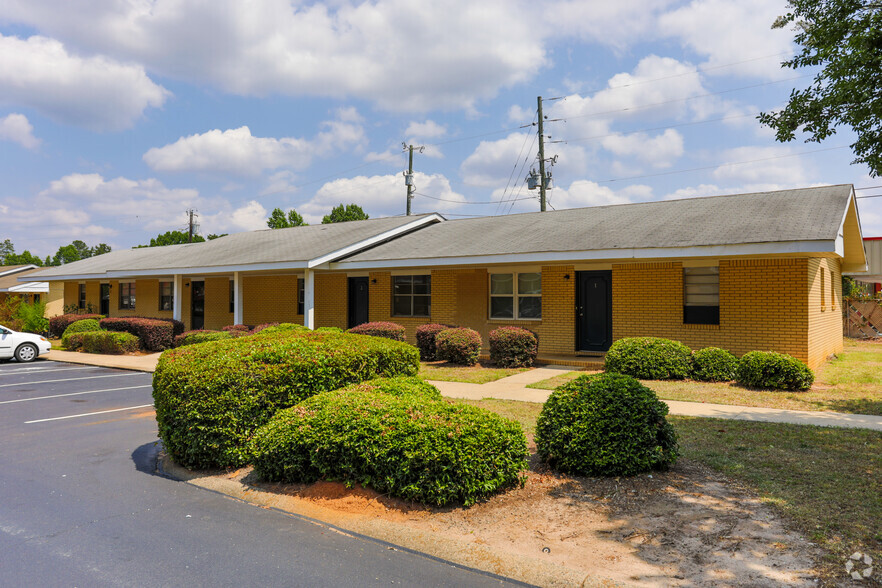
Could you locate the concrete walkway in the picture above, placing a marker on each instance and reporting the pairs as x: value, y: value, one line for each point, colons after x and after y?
x: 515, y: 388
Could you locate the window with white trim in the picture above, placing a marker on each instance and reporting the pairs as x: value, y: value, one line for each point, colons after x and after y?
x: 701, y: 295
x: 127, y: 296
x: 516, y: 295
x: 411, y: 295
x: 166, y: 295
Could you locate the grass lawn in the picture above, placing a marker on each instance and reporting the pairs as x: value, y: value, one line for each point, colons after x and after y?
x: 476, y: 374
x: 827, y: 481
x: 850, y: 383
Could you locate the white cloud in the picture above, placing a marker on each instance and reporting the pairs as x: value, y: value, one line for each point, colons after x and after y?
x: 237, y: 151
x: 16, y: 128
x: 728, y: 32
x: 381, y: 196
x: 280, y: 182
x: 581, y: 193
x: 425, y: 130
x: 251, y: 216
x: 694, y: 192
x: 769, y: 167
x: 659, y: 151
x: 95, y: 92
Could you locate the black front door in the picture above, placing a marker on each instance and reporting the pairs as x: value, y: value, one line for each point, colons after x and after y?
x: 105, y: 300
x: 197, y: 305
x: 593, y: 310
x: 358, y: 301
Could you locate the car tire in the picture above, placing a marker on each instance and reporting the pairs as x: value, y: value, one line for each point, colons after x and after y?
x: 26, y: 352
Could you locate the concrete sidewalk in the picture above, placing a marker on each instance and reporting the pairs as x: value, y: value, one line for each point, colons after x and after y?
x: 515, y: 388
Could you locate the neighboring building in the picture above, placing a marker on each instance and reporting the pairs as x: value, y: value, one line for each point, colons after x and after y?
x: 873, y: 276
x: 12, y: 284
x: 742, y: 272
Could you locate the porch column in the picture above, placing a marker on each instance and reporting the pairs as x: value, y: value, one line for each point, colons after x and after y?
x: 177, y: 294
x: 308, y: 299
x: 237, y: 298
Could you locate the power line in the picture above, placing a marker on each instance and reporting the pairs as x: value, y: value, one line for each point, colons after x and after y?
x: 686, y: 124
x: 467, y: 201
x: 867, y: 188
x: 870, y: 196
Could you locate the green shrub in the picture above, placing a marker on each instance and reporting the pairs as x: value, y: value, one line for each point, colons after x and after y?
x: 32, y: 317
x: 154, y: 334
x: 72, y: 341
x: 649, y: 358
x: 605, y: 425
x: 329, y: 330
x: 713, y: 364
x: 58, y: 324
x: 384, y: 329
x: 81, y: 327
x: 425, y: 339
x: 240, y: 328
x: 513, y: 347
x: 211, y: 397
x: 109, y: 342
x: 200, y: 336
x: 279, y: 329
x: 423, y: 450
x: 768, y: 369
x: 460, y: 346
x: 399, y: 386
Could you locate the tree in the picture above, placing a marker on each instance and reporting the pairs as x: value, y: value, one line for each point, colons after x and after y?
x: 76, y: 251
x: 342, y: 213
x: 100, y: 249
x: 173, y: 238
x: 6, y: 249
x: 278, y: 220
x: 844, y: 38
x: 23, y: 258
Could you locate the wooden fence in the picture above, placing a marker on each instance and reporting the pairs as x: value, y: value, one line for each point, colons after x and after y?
x: 862, y: 319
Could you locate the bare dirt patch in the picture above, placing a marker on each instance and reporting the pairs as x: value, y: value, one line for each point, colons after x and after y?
x: 685, y: 527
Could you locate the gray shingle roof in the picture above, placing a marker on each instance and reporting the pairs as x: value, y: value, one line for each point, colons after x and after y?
x: 294, y: 245
x: 806, y: 214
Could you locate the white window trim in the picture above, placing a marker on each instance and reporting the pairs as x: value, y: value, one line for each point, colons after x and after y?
x: 411, y: 295
x: 514, y: 296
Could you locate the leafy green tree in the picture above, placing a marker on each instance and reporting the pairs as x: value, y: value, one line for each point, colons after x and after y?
x: 173, y: 238
x: 23, y: 258
x: 214, y: 236
x: 100, y: 249
x: 6, y: 249
x: 342, y: 213
x: 844, y: 39
x: 76, y: 251
x: 278, y: 219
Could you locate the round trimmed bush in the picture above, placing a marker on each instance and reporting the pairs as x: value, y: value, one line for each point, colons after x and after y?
x: 605, y: 425
x: 110, y: 342
x: 280, y: 329
x: 261, y: 327
x: 513, y: 347
x: 649, y: 358
x: 399, y: 386
x: 240, y: 328
x: 210, y: 398
x: 425, y: 340
x: 423, y: 450
x: 59, y: 324
x: 385, y: 329
x: 461, y: 346
x: 200, y: 336
x: 768, y: 369
x: 81, y: 327
x: 713, y: 364
x: 337, y: 330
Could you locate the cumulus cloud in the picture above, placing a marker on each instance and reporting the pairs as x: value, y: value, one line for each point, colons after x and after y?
x: 660, y: 151
x: 237, y: 151
x: 95, y: 92
x: 728, y: 32
x: 383, y: 195
x: 16, y: 128
x: 425, y: 130
x: 250, y: 216
x: 770, y: 167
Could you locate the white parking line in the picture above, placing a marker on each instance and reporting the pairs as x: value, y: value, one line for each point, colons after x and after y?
x: 72, y: 379
x: 74, y: 416
x: 32, y: 371
x: 73, y: 394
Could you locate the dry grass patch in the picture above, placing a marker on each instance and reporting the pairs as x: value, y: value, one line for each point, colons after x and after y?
x: 480, y: 373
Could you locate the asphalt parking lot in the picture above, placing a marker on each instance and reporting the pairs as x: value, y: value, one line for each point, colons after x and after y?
x: 82, y: 504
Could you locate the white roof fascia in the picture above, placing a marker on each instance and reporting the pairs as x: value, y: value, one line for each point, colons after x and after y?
x: 69, y: 278
x: 18, y: 269
x: 785, y: 248
x: 219, y: 269
x: 29, y: 287
x: 375, y: 240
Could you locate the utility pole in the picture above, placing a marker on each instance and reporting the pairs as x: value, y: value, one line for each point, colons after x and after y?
x: 541, y: 158
x: 408, y: 175
x: 190, y: 235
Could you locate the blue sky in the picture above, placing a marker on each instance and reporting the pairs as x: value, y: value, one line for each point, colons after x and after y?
x: 117, y: 116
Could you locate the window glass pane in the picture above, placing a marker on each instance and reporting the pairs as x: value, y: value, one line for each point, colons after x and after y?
x: 401, y: 305
x: 530, y: 283
x: 421, y: 306
x: 529, y: 307
x: 501, y: 284
x: 402, y: 285
x: 421, y: 284
x: 501, y: 307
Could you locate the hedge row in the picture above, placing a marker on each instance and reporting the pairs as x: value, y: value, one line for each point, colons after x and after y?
x: 81, y: 327
x: 651, y: 358
x: 58, y: 324
x: 407, y: 445
x: 105, y: 342
x: 210, y: 398
x: 155, y: 334
x: 199, y: 336
x: 384, y: 329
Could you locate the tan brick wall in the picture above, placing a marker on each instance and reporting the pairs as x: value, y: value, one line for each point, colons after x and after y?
x: 824, y: 313
x: 71, y: 293
x: 331, y: 300
x: 55, y: 299
x: 217, y: 303
x: 268, y: 299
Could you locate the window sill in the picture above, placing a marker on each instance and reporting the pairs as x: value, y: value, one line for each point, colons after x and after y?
x: 514, y: 320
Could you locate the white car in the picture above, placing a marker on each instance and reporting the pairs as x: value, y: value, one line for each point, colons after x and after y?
x: 24, y: 347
